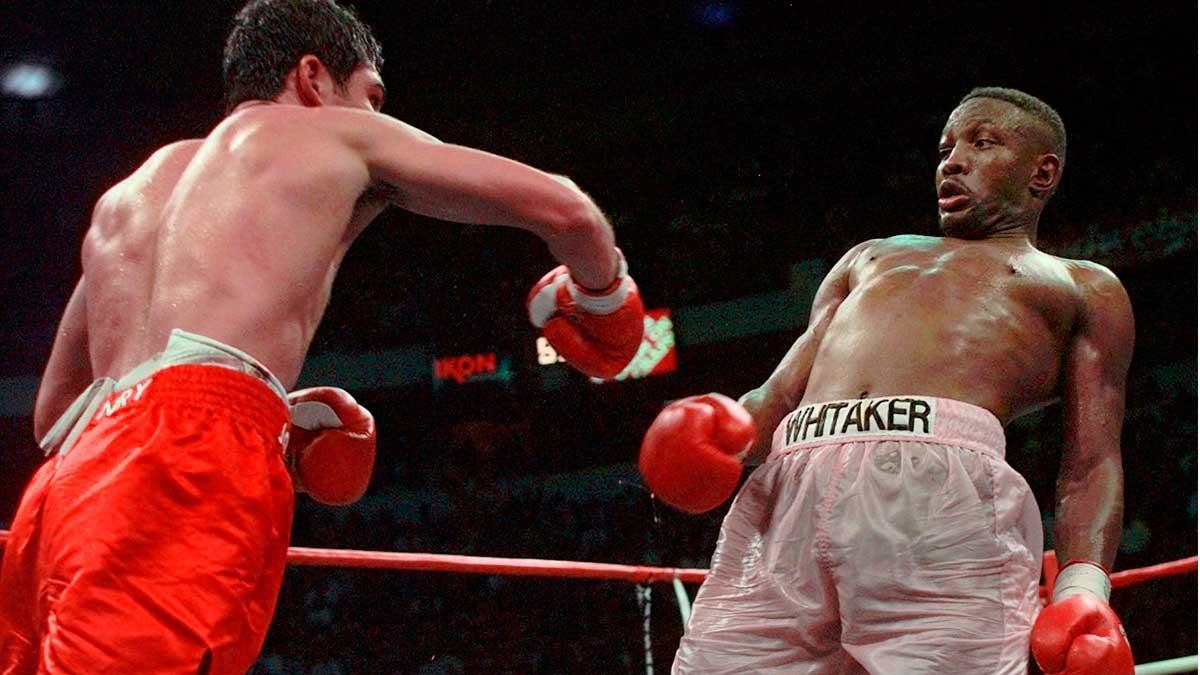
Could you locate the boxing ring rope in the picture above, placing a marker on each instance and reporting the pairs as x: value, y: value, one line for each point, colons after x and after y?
x: 642, y: 575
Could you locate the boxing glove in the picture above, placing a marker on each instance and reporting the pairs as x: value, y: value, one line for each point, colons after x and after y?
x: 597, y: 332
x: 331, y: 445
x: 1078, y: 633
x: 691, y: 456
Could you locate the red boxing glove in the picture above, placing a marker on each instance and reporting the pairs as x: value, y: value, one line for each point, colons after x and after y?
x: 331, y: 448
x: 1079, y: 634
x: 691, y: 456
x: 598, y: 332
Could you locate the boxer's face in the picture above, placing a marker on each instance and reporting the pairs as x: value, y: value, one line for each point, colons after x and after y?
x: 986, y: 158
x: 364, y: 89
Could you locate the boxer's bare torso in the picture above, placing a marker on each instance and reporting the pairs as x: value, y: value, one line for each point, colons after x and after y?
x: 228, y: 237
x: 987, y: 322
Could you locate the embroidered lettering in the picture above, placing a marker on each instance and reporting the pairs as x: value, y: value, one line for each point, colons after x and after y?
x: 811, y: 420
x: 896, y: 408
x: 793, y: 425
x: 120, y: 400
x: 853, y: 415
x: 873, y: 414
x: 919, y: 410
x: 836, y: 408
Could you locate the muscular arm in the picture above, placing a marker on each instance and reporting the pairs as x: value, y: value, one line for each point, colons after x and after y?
x: 460, y: 184
x: 784, y: 389
x: 69, y: 370
x: 1089, y: 493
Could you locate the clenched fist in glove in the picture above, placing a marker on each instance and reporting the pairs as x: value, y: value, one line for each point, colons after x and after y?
x: 331, y: 449
x: 692, y: 454
x: 1078, y: 633
x: 598, y: 332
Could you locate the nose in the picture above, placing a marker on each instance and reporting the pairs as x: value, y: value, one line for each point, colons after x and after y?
x: 955, y: 163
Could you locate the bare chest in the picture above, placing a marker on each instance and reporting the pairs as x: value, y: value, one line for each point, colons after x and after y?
x: 965, y: 286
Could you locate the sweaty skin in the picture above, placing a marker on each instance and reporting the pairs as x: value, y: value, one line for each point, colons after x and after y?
x: 238, y: 236
x: 978, y: 321
x: 981, y: 316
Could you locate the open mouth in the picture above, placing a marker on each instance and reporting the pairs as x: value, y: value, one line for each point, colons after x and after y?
x: 952, y: 197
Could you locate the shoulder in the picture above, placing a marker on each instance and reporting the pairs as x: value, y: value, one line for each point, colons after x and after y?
x: 186, y: 147
x: 909, y: 241
x: 1096, y: 283
x: 858, y: 249
x: 1107, y: 311
x: 898, y: 243
x: 169, y: 155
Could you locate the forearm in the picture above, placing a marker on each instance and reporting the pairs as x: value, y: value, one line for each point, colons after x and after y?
x: 768, y: 409
x: 1088, y: 518
x: 69, y: 370
x: 586, y: 245
x: 56, y: 391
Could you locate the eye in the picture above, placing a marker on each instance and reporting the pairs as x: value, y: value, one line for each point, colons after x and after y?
x: 944, y: 152
x: 984, y: 143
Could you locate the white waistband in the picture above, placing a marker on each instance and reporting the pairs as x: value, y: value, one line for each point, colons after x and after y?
x: 938, y: 420
x: 182, y: 348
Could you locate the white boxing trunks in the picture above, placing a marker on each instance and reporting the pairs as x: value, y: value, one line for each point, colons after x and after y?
x: 883, y: 535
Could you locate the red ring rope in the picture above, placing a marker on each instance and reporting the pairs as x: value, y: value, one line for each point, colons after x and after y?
x: 434, y: 562
x: 528, y: 567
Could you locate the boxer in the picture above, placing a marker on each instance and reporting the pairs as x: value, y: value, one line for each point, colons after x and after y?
x: 153, y: 540
x: 885, y: 533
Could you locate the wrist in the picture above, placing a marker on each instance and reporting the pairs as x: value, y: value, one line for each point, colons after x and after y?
x: 620, y: 270
x: 608, y: 299
x: 1082, y: 576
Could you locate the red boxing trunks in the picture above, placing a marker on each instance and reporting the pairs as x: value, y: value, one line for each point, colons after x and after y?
x: 156, y: 543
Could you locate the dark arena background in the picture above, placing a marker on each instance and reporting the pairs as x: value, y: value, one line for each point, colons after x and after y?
x: 739, y: 149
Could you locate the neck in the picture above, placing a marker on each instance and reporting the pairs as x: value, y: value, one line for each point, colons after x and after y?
x: 1012, y: 225
x: 250, y: 104
x: 285, y: 97
x: 1015, y: 236
x: 1020, y: 227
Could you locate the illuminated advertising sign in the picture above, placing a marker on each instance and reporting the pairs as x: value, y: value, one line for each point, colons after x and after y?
x: 471, y: 368
x: 655, y: 356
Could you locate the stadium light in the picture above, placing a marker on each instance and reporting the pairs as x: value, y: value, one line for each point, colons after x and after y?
x: 29, y: 81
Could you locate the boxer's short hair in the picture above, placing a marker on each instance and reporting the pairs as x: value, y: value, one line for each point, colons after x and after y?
x: 1035, y: 107
x: 1054, y: 132
x: 268, y: 37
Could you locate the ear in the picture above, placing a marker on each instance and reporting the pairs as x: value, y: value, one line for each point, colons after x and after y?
x: 1047, y: 171
x: 311, y: 81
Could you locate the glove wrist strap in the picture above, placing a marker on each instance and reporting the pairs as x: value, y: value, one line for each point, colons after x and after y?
x: 1082, y: 576
x: 607, y: 300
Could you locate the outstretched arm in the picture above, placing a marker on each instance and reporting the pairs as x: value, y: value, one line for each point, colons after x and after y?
x: 69, y: 370
x: 784, y: 389
x: 461, y: 184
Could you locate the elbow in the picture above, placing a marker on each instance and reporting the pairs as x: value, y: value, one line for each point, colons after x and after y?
x: 574, y: 214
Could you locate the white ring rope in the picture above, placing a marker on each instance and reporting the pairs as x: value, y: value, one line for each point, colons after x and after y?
x: 1183, y: 664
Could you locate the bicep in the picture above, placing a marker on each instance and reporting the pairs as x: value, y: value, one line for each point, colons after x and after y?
x: 460, y: 184
x: 1094, y: 387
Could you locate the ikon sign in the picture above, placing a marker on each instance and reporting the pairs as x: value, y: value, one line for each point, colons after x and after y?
x: 470, y: 367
